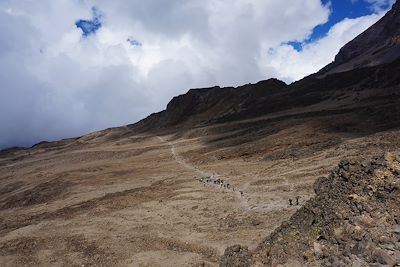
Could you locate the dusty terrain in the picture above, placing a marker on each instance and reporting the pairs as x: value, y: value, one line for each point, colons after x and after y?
x: 128, y: 202
x: 115, y: 197
x: 136, y: 196
x: 128, y: 197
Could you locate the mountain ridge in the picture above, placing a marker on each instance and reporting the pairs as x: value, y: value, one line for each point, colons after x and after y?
x: 377, y: 45
x: 381, y: 41
x: 218, y: 167
x: 189, y: 109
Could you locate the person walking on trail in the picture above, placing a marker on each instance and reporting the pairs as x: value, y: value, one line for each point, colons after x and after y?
x: 297, y: 200
x: 290, y: 202
x: 241, y: 193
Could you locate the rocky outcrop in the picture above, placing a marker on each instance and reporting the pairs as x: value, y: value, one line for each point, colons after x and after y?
x: 377, y: 45
x: 366, y: 94
x: 237, y: 256
x: 370, y: 61
x: 207, y: 105
x: 354, y: 220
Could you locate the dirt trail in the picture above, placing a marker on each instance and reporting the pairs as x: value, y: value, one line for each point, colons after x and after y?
x: 181, y: 161
x: 242, y: 199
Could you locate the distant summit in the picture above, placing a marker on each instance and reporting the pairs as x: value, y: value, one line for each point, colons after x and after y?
x: 215, y: 104
x: 377, y: 45
x: 377, y: 50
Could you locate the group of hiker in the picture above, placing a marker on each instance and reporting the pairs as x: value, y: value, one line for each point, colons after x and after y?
x: 219, y: 183
x: 294, y: 204
x: 225, y: 185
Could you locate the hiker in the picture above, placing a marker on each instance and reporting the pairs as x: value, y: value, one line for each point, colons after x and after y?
x: 227, y: 186
x: 290, y: 202
x: 297, y: 200
x: 241, y: 193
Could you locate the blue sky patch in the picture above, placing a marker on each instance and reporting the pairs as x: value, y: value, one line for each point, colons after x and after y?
x: 296, y: 45
x: 133, y: 42
x: 340, y: 9
x: 89, y: 27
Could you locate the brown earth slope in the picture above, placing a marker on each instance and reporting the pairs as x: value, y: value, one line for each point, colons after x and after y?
x: 128, y: 198
x: 133, y: 196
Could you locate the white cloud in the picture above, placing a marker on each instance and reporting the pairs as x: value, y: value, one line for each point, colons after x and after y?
x: 377, y: 6
x: 380, y: 5
x: 56, y: 84
x: 294, y: 65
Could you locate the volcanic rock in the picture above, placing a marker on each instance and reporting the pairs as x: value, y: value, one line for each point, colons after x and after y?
x: 353, y: 220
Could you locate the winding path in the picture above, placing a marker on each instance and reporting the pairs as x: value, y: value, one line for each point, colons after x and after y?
x: 182, y: 162
x: 243, y: 200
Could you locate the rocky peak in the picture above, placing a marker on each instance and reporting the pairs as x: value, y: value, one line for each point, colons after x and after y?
x: 206, y: 105
x: 377, y: 45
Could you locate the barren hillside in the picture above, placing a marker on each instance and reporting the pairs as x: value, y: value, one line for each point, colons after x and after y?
x: 218, y: 167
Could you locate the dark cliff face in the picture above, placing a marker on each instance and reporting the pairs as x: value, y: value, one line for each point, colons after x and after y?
x: 377, y: 45
x: 359, y: 91
x: 370, y: 62
x: 208, y: 105
x: 217, y: 103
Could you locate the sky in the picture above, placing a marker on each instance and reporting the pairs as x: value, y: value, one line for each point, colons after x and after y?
x: 70, y: 67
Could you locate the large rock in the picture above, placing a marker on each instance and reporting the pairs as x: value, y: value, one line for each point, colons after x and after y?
x: 237, y: 256
x: 352, y: 221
